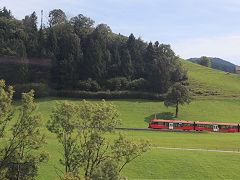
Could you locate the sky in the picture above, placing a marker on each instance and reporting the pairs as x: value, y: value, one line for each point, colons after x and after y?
x: 193, y: 28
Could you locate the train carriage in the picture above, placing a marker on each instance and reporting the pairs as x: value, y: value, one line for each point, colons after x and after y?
x: 192, y: 125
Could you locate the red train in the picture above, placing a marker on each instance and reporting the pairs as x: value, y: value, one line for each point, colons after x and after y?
x: 193, y: 125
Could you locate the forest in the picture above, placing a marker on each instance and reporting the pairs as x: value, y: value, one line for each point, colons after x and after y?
x: 75, y: 54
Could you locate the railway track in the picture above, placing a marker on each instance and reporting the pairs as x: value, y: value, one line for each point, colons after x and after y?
x: 161, y: 130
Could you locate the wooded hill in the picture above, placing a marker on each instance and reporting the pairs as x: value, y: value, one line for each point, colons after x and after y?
x: 217, y: 63
x: 80, y: 56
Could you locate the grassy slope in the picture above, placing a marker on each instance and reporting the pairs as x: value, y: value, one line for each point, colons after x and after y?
x: 211, y: 81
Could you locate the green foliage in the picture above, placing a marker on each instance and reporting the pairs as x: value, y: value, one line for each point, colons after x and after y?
x: 178, y: 94
x: 108, y: 170
x: 40, y: 89
x: 62, y: 123
x: 57, y: 17
x: 20, y: 156
x: 126, y: 150
x: 118, y: 83
x: 79, y: 52
x: 108, y: 95
x: 205, y: 61
x: 6, y: 109
x: 82, y: 130
x: 138, y: 84
x: 5, y: 13
x: 89, y: 85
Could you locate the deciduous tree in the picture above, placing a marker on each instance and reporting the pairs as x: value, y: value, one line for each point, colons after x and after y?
x: 205, y: 61
x: 62, y: 123
x: 20, y: 156
x: 178, y: 94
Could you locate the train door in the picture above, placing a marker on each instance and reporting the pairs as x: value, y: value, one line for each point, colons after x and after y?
x: 215, y: 128
x: 170, y: 125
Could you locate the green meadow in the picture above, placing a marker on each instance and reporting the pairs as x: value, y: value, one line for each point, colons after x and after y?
x: 138, y: 113
x: 160, y: 163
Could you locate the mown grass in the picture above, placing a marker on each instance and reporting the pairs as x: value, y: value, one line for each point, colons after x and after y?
x: 206, y: 81
x: 180, y: 164
x: 138, y: 113
x: 168, y: 164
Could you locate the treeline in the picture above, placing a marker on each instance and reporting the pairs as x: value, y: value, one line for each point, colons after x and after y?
x: 85, y: 57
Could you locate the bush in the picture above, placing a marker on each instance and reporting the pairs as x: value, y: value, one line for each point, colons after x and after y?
x: 41, y: 90
x: 138, y: 84
x: 108, y: 95
x: 119, y: 83
x: 88, y: 85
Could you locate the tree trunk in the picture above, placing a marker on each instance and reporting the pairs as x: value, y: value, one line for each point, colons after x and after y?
x: 18, y: 172
x: 176, y: 110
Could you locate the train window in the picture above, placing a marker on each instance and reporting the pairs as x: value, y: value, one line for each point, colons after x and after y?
x: 166, y: 124
x: 187, y: 124
x: 226, y: 126
x: 208, y: 126
x: 177, y: 124
x: 158, y: 123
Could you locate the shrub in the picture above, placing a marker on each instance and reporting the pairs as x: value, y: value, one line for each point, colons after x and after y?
x: 41, y: 90
x: 118, y: 83
x: 88, y: 85
x: 108, y: 95
x: 138, y: 84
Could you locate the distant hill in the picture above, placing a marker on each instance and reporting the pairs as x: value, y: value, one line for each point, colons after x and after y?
x: 217, y: 63
x: 205, y: 81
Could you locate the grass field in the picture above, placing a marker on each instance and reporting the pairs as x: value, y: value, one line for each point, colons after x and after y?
x: 208, y: 81
x: 168, y: 164
x: 177, y: 164
x: 158, y: 163
x: 138, y: 113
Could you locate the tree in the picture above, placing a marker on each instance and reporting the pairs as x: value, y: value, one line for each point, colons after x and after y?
x: 126, y: 150
x: 20, y: 156
x: 178, y: 94
x: 127, y: 68
x: 5, y: 13
x: 95, y: 121
x: 62, y: 123
x: 6, y: 109
x: 56, y: 17
x: 205, y: 61
x: 87, y: 151
x: 82, y: 25
x: 30, y: 28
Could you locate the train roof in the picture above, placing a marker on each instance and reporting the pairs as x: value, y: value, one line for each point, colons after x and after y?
x: 197, y: 122
x: 179, y: 121
x: 231, y: 124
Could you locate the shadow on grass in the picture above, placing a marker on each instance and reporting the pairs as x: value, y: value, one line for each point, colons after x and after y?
x: 163, y: 115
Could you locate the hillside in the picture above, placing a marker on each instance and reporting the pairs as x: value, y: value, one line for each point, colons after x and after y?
x: 217, y: 63
x: 207, y: 81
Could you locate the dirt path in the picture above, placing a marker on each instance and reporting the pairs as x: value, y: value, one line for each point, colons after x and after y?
x: 188, y: 149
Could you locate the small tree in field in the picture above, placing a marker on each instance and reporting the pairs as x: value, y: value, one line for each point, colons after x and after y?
x: 178, y: 94
x: 205, y: 61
